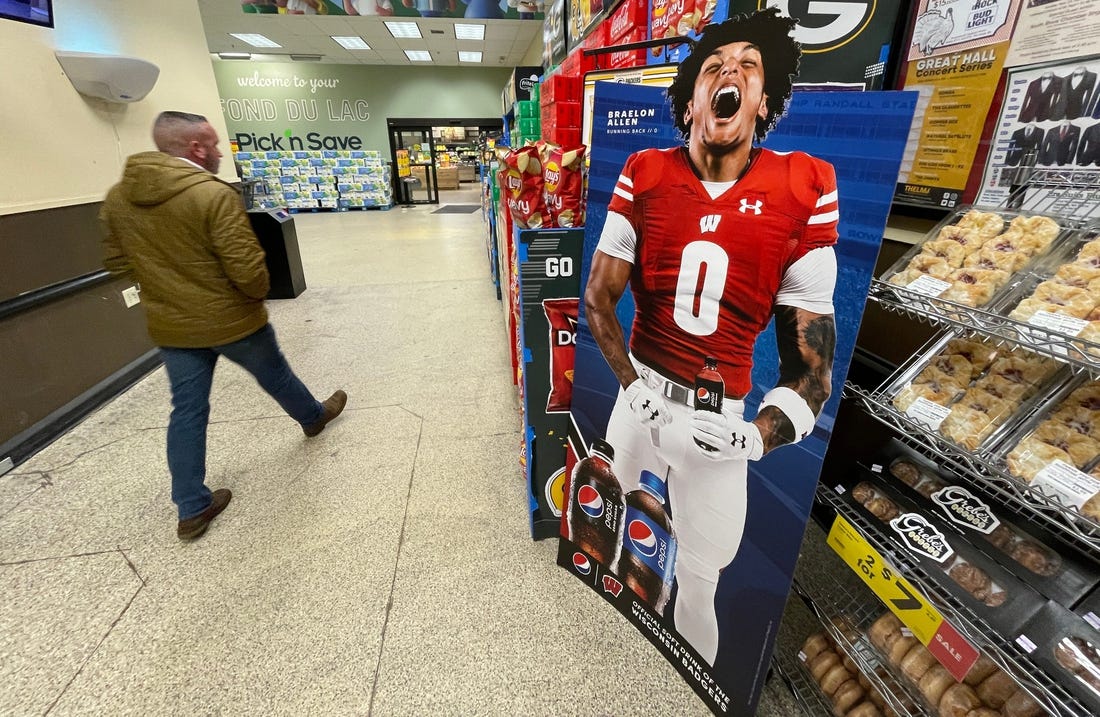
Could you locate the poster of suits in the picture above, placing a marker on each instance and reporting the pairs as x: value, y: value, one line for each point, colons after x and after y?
x: 1048, y: 134
x: 955, y: 25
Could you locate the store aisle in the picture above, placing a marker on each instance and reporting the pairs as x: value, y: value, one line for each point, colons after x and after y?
x: 381, y: 568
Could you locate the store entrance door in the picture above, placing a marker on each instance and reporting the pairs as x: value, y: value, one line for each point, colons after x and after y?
x: 419, y: 186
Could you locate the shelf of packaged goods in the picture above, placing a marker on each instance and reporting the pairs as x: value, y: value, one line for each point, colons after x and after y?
x: 806, y: 693
x: 1080, y: 355
x: 1007, y: 655
x: 980, y: 469
x: 834, y: 604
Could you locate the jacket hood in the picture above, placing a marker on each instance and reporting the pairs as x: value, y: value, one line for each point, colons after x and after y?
x: 154, y: 177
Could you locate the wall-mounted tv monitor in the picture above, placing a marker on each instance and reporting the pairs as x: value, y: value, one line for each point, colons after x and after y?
x: 37, y: 12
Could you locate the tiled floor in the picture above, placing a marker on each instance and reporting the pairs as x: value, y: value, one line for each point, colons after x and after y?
x: 383, y: 568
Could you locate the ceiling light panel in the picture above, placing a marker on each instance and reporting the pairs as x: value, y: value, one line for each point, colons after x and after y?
x: 403, y: 30
x: 464, y: 56
x: 235, y: 55
x: 254, y: 39
x: 418, y: 55
x: 352, y: 42
x: 469, y: 32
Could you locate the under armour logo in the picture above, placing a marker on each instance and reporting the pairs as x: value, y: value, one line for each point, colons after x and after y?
x: 653, y: 413
x: 755, y: 207
x: 738, y: 441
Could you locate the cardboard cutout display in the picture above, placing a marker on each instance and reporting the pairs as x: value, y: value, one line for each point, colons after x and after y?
x: 704, y: 395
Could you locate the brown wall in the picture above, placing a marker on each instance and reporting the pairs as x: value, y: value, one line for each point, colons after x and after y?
x: 53, y: 353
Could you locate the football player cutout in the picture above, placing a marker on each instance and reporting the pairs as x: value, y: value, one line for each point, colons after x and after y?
x: 714, y: 239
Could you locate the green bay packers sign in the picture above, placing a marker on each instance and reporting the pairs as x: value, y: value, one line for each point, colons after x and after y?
x: 844, y: 42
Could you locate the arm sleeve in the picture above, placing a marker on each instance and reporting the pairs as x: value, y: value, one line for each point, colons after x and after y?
x: 821, y: 227
x: 238, y: 250
x: 114, y: 259
x: 622, y: 199
x: 809, y: 282
x: 618, y: 238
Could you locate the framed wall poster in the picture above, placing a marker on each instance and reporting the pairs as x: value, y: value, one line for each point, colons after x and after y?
x: 665, y: 500
x: 943, y: 26
x: 1049, y: 132
x: 1050, y: 31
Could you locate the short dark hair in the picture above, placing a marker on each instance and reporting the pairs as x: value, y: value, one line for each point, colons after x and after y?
x: 172, y: 131
x: 771, y: 33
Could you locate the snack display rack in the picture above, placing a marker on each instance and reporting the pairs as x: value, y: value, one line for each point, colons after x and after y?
x: 1005, y: 653
x: 979, y: 468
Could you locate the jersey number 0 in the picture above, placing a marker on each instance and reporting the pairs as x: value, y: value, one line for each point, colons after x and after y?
x: 699, y: 287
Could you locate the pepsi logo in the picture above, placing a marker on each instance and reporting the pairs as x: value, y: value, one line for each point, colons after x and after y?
x: 642, y: 538
x: 703, y: 394
x: 591, y: 501
x: 581, y: 563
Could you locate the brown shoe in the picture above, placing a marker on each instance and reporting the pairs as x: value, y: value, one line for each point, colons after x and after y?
x: 333, y: 406
x: 194, y: 527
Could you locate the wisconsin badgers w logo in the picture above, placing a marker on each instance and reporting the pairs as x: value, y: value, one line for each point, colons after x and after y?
x: 709, y: 223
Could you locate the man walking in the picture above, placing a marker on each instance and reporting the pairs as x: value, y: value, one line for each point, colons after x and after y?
x: 183, y: 235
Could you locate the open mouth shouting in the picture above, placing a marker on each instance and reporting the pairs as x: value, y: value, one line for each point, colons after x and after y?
x: 725, y: 102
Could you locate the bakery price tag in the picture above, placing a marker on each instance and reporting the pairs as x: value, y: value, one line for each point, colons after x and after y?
x: 927, y: 413
x: 1072, y: 486
x: 913, y: 609
x: 927, y: 286
x: 1068, y: 325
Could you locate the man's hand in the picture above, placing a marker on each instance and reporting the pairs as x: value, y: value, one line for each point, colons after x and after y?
x: 726, y: 436
x: 647, y: 404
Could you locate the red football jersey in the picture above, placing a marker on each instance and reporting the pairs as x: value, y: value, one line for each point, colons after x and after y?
x: 706, y: 271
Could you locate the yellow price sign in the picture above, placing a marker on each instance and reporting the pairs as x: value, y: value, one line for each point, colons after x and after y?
x: 896, y: 593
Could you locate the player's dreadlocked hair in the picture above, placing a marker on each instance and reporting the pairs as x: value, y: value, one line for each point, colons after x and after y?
x: 769, y: 32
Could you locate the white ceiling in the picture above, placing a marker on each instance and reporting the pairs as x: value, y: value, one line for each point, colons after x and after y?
x: 505, y: 45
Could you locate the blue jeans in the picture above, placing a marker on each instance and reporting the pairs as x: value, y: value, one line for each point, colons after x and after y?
x: 190, y: 374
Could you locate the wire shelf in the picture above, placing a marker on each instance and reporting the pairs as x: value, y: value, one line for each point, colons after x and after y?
x: 832, y: 602
x: 1007, y: 655
x: 805, y: 692
x: 1072, y: 528
x: 988, y: 326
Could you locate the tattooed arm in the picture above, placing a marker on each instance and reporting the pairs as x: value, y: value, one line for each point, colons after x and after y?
x: 806, y: 343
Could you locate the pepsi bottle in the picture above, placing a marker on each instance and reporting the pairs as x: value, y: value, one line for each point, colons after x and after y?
x: 648, y: 558
x: 709, y: 389
x: 594, y: 513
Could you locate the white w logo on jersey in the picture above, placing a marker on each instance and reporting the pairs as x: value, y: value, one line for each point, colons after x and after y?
x: 709, y: 223
x: 755, y: 207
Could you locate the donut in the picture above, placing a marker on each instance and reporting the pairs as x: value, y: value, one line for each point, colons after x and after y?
x: 916, y: 662
x: 995, y: 690
x: 952, y: 252
x: 906, y: 471
x: 987, y: 224
x: 815, y: 644
x: 821, y: 664
x: 1021, y: 704
x: 984, y: 712
x: 934, y: 683
x: 958, y: 701
x: 1031, y: 455
x: 1069, y: 300
x: 1083, y: 277
x: 863, y: 492
x: 968, y: 427
x: 1035, y: 558
x: 834, y: 678
x: 928, y: 486
x: 901, y: 648
x: 847, y: 696
x: 936, y: 392
x: 1044, y: 229
x: 972, y: 579
x: 886, y: 625
x: 883, y: 508
x: 1002, y: 537
x: 974, y: 287
x: 981, y: 669
x: 866, y: 709
x: 1081, y: 449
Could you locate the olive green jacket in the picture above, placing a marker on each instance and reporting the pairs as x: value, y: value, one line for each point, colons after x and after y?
x: 184, y: 236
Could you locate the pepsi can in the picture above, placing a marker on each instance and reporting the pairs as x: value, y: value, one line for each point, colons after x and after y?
x: 709, y: 388
x: 594, y: 512
x: 648, y: 558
